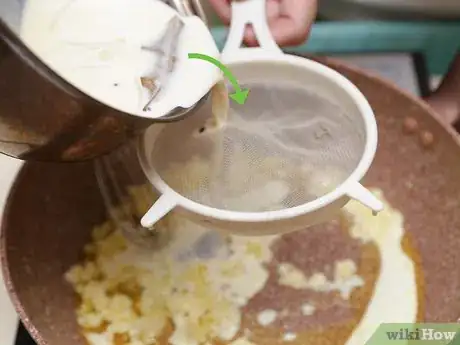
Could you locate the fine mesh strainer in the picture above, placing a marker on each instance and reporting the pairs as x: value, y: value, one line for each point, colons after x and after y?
x: 288, y: 158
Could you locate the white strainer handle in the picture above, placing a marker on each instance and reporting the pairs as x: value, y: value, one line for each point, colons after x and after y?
x: 249, y: 12
x: 356, y: 190
x: 165, y: 204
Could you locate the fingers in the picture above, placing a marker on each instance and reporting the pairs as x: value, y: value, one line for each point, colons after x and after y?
x: 302, y: 12
x: 289, y: 20
x: 294, y: 22
x: 223, y: 10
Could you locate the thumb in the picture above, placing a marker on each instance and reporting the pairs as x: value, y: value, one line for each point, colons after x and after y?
x: 222, y: 9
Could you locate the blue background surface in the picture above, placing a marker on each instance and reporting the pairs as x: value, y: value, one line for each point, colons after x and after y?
x: 438, y: 41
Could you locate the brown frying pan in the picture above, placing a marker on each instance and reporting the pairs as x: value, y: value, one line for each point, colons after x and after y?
x: 52, y: 208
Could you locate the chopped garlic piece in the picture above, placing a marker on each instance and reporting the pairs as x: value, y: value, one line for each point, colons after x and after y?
x: 99, y: 338
x: 267, y: 317
x: 129, y: 292
x: 318, y: 282
x: 289, y: 336
x: 308, y: 309
x: 291, y: 276
x: 344, y: 269
x: 241, y: 341
x: 345, y: 278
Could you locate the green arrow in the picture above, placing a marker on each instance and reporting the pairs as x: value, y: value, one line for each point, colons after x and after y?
x: 240, y: 95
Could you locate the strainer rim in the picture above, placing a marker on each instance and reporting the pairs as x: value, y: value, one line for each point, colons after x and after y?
x: 343, y: 189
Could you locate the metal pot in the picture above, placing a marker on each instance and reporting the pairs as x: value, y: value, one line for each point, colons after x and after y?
x: 52, y: 208
x: 42, y: 117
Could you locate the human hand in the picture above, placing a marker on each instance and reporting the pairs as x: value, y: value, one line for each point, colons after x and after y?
x: 289, y: 20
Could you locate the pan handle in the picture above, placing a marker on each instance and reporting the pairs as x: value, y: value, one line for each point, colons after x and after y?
x: 446, y: 98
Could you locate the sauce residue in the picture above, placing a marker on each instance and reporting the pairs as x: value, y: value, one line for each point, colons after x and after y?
x: 196, y: 287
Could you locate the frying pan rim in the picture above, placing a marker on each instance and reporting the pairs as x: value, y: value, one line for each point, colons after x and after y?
x: 335, y: 62
x: 330, y: 62
x: 8, y: 281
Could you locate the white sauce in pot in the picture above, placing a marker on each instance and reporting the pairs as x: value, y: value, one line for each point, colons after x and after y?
x: 96, y: 45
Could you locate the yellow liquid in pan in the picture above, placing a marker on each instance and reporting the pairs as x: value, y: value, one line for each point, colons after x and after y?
x: 252, y: 270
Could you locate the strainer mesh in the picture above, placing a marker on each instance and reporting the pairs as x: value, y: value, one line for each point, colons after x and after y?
x: 284, y: 147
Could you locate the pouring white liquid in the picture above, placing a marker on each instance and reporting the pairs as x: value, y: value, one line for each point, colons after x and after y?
x: 96, y: 45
